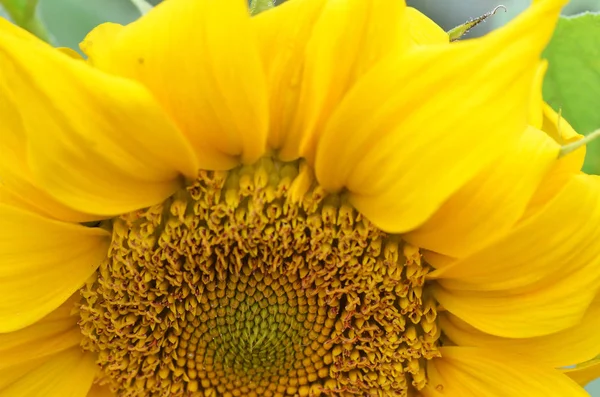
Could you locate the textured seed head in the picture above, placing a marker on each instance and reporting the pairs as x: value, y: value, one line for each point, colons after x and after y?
x: 256, y: 282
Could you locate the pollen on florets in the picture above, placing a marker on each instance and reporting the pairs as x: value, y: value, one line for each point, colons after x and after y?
x: 256, y: 282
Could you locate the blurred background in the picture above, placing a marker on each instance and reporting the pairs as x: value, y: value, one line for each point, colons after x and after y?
x: 68, y: 21
x: 450, y: 13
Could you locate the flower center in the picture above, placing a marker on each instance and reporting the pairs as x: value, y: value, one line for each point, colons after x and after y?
x: 256, y: 282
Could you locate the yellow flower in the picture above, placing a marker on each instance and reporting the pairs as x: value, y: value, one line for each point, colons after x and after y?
x: 328, y: 199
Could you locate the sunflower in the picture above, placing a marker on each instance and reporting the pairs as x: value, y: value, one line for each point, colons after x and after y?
x: 326, y: 199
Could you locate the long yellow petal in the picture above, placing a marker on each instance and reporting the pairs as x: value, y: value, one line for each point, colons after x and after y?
x: 537, y: 102
x: 9, y: 198
x: 540, y: 278
x: 100, y: 391
x: 584, y: 373
x: 418, y: 127
x: 69, y: 373
x: 568, y: 347
x: 348, y: 39
x: 475, y: 372
x: 9, y: 375
x: 200, y: 59
x: 504, y: 313
x: 52, y: 334
x: 559, y: 241
x: 499, y: 194
x: 17, y: 180
x: 422, y: 30
x: 14, y: 170
x: 283, y: 34
x: 97, y: 143
x: 562, y: 132
x: 42, y: 263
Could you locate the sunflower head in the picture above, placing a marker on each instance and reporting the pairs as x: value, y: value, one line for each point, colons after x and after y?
x: 326, y: 199
x: 233, y: 288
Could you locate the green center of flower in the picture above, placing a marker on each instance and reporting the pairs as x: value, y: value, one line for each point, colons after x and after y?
x: 256, y: 282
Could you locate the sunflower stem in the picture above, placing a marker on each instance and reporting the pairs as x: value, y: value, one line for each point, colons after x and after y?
x: 571, y: 147
x: 24, y: 14
x: 459, y: 31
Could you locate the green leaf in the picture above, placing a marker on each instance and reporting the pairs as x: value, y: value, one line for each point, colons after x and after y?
x: 572, y: 83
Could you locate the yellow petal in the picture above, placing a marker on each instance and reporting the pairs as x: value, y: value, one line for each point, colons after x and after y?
x: 200, y: 59
x: 283, y: 34
x: 537, y: 102
x: 70, y: 53
x: 98, y: 43
x: 69, y: 373
x: 537, y: 280
x: 6, y: 197
x: 418, y: 127
x: 558, y: 242
x: 559, y: 130
x: 585, y: 373
x: 9, y: 375
x: 568, y: 347
x: 52, y: 334
x: 499, y: 194
x: 13, y: 30
x: 97, y: 143
x: 42, y: 263
x: 505, y: 313
x: 18, y: 184
x: 475, y: 372
x: 348, y: 39
x: 100, y: 391
x: 422, y: 30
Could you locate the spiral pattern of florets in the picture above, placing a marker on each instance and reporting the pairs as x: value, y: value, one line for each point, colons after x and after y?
x: 256, y: 282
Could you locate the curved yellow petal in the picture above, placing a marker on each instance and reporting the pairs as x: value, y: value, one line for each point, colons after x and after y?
x: 537, y: 280
x: 283, y: 34
x: 584, y: 373
x: 348, y: 39
x: 499, y: 194
x: 69, y: 373
x: 548, y: 293
x: 568, y: 347
x: 14, y: 372
x: 476, y: 372
x: 422, y: 30
x: 16, y: 31
x: 9, y: 198
x: 97, y: 143
x: 200, y: 60
x: 52, y: 334
x: 504, y: 313
x: 42, y: 263
x: 15, y: 175
x: 18, y: 183
x: 98, y: 43
x: 71, y: 53
x: 559, y: 130
x: 419, y: 126
x: 537, y: 101
x: 100, y: 391
x: 559, y: 241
